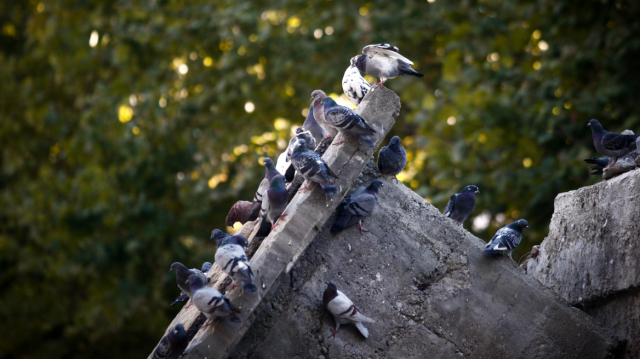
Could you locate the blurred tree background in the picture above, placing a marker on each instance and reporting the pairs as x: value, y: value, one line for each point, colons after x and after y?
x: 130, y: 128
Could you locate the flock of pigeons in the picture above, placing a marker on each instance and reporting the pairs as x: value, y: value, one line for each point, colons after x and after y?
x: 327, y: 119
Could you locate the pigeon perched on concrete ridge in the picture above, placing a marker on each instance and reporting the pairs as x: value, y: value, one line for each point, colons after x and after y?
x: 183, y: 295
x: 507, y: 238
x: 283, y: 165
x: 313, y: 168
x: 211, y: 302
x: 599, y: 164
x: 274, y: 203
x: 239, y: 212
x: 310, y: 124
x: 318, y: 113
x: 343, y: 310
x: 356, y: 207
x: 257, y: 199
x: 182, y: 274
x: 611, y: 144
x: 346, y: 121
x: 232, y: 259
x: 462, y: 204
x: 302, y: 133
x: 385, y: 62
x: 392, y: 158
x: 173, y: 344
x: 353, y: 84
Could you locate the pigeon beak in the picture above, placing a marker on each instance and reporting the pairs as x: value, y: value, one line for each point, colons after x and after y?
x: 327, y: 283
x: 381, y: 184
x: 588, y: 124
x: 477, y: 191
x: 527, y: 227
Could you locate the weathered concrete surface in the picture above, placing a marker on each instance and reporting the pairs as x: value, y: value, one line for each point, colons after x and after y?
x: 482, y: 307
x: 591, y: 256
x: 305, y: 215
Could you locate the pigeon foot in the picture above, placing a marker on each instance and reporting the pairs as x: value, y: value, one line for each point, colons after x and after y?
x: 206, y: 324
x: 326, y: 136
x: 396, y: 178
x: 188, y: 305
x: 362, y: 229
x: 339, y: 142
x: 333, y: 334
x: 283, y: 215
x: 231, y: 287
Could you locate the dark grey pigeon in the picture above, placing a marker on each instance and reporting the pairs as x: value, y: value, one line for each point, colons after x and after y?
x: 211, y: 302
x: 356, y: 207
x: 302, y: 133
x: 313, y: 168
x: 182, y: 274
x: 462, y: 204
x: 284, y: 160
x: 384, y: 61
x: 184, y: 296
x: 599, y: 164
x: 173, y: 344
x: 271, y: 172
x: 310, y: 124
x: 317, y: 97
x: 343, y: 310
x: 273, y: 205
x: 232, y: 259
x: 392, y: 158
x: 506, y: 239
x: 346, y: 121
x: 354, y: 85
x: 611, y: 144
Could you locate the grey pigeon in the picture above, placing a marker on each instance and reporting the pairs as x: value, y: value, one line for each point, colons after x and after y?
x: 271, y: 172
x: 182, y: 274
x: 462, y: 204
x: 317, y: 97
x: 611, y: 144
x: 184, y: 296
x: 302, y: 133
x: 354, y: 85
x: 284, y: 160
x: 211, y: 302
x: 232, y: 259
x: 310, y: 124
x: 384, y: 61
x: 599, y: 164
x: 356, y: 207
x: 313, y: 168
x: 238, y: 213
x: 173, y: 344
x: 392, y: 158
x: 273, y: 204
x: 507, y: 238
x: 346, y: 121
x: 343, y: 310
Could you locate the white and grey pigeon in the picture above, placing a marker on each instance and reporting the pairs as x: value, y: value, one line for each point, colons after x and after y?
x: 184, y: 296
x: 173, y: 344
x: 611, y: 144
x: 274, y: 202
x: 353, y: 84
x: 211, y: 303
x: 462, y: 204
x: 318, y: 114
x: 232, y: 259
x: 357, y: 206
x: 284, y: 160
x: 310, y: 124
x: 313, y: 168
x: 182, y: 275
x: 271, y: 172
x: 392, y: 158
x: 506, y: 239
x: 343, y: 310
x: 385, y: 62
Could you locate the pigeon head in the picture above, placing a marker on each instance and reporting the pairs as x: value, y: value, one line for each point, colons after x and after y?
x: 177, y: 266
x: 300, y: 147
x: 596, y: 127
x: 299, y: 130
x: 268, y: 162
x: 354, y: 61
x: 195, y: 283
x: 278, y: 182
x: 375, y: 185
x: 239, y: 240
x: 178, y: 332
x: 523, y: 224
x: 395, y: 141
x: 331, y: 285
x: 471, y: 188
x: 218, y: 236
x: 206, y: 266
x: 519, y: 225
x: 317, y: 96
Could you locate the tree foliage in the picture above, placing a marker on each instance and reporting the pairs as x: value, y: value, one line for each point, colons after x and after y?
x: 130, y: 128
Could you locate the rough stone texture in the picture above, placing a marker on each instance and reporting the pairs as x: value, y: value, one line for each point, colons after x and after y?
x: 591, y: 257
x: 475, y: 306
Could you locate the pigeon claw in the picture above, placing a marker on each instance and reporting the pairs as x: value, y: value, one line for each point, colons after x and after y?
x: 283, y: 215
x: 339, y: 142
x: 206, y: 324
x: 333, y: 334
x: 188, y: 305
x: 396, y: 178
x: 326, y: 136
x: 362, y: 229
x: 231, y: 287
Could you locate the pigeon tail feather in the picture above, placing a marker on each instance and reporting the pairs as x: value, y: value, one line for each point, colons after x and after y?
x: 329, y: 189
x: 405, y: 69
x: 363, y: 330
x: 265, y: 228
x: 249, y: 287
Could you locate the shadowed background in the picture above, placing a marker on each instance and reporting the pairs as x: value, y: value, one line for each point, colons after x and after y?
x: 129, y: 130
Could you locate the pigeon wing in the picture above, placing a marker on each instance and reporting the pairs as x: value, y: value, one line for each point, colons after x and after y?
x: 342, y: 307
x: 615, y: 142
x: 451, y: 205
x: 377, y: 50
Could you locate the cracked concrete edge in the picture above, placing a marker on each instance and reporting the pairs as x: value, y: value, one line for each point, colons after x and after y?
x: 307, y: 212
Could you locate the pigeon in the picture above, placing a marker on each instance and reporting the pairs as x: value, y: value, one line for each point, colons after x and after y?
x: 599, y: 164
x: 313, y: 168
x: 302, y: 133
x: 211, y: 302
x: 462, y: 204
x: 238, y: 213
x: 354, y: 85
x: 173, y: 344
x: 384, y: 61
x: 317, y: 97
x: 182, y: 274
x: 346, y: 121
x: 284, y: 160
x: 312, y: 126
x: 356, y: 207
x: 611, y: 144
x: 184, y: 296
x: 343, y: 310
x: 232, y: 259
x: 506, y: 239
x: 257, y: 199
x: 392, y: 158
x: 273, y: 204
